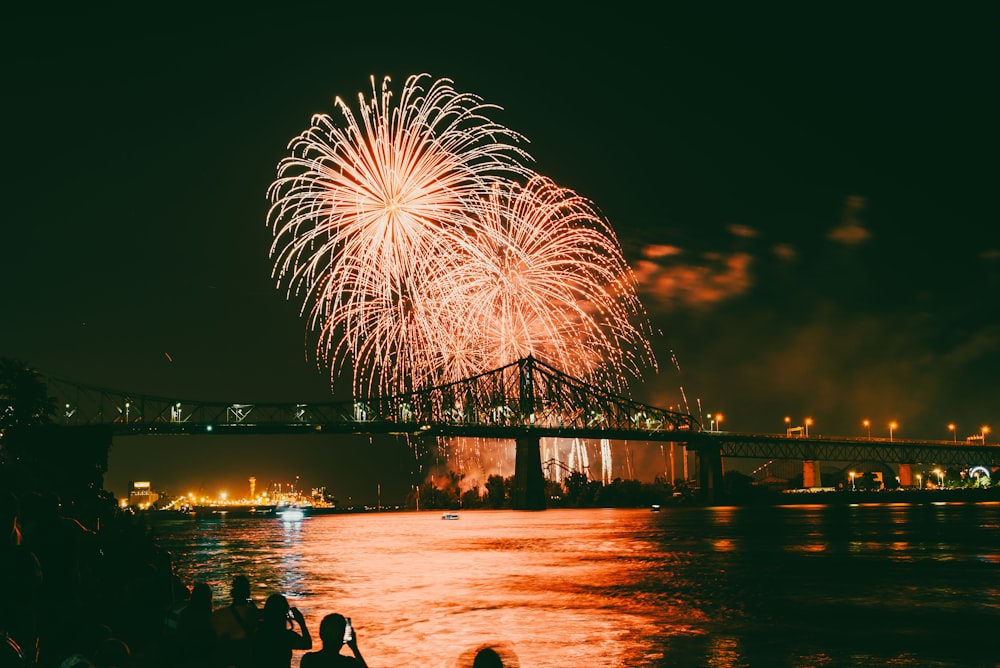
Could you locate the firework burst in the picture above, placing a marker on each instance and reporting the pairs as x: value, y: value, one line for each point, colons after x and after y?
x: 421, y: 258
x: 541, y: 274
x: 357, y: 214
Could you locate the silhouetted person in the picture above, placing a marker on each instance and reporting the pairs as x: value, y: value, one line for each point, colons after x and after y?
x: 331, y: 632
x: 487, y: 657
x: 181, y: 596
x: 235, y: 626
x: 276, y: 635
x: 20, y: 583
x: 194, y: 642
x: 60, y: 544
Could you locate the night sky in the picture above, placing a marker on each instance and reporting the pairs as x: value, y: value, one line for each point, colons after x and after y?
x: 807, y: 197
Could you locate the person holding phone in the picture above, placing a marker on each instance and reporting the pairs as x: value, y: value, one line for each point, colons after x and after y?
x: 277, y: 636
x: 335, y: 631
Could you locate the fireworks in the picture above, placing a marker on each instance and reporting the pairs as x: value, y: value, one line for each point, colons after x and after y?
x: 424, y: 249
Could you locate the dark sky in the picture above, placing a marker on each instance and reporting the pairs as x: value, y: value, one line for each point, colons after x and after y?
x: 807, y: 195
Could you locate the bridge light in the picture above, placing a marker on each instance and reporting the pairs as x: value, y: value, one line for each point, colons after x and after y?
x: 954, y: 432
x: 892, y: 427
x: 808, y: 424
x: 208, y: 428
x: 867, y: 424
x: 984, y: 430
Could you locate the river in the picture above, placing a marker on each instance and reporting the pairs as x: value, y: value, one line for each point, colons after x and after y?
x: 837, y: 585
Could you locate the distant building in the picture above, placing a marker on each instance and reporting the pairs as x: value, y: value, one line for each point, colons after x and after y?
x: 140, y: 495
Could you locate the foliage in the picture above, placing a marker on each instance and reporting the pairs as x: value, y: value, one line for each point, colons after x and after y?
x: 24, y: 398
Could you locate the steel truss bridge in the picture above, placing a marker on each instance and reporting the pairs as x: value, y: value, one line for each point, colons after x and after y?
x: 524, y: 401
x: 524, y: 396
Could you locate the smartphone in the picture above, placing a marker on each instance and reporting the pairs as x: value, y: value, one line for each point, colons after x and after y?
x: 348, y: 632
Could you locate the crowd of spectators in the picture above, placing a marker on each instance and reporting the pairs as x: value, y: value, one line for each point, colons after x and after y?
x: 105, y: 596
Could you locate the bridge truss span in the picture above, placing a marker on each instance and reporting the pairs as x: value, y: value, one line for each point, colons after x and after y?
x: 527, y: 396
x: 771, y: 446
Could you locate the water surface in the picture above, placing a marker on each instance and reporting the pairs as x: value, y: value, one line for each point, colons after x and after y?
x: 905, y: 585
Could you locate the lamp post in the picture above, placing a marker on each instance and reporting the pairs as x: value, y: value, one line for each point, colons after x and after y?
x: 984, y: 430
x: 718, y: 421
x: 954, y: 432
x: 711, y: 422
x: 853, y: 488
x: 788, y: 426
x: 808, y: 422
x: 867, y: 424
x: 892, y: 426
x: 940, y: 475
x: 920, y: 481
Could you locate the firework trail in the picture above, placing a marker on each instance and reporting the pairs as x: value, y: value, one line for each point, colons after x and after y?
x: 673, y: 359
x: 425, y: 251
x: 606, y: 472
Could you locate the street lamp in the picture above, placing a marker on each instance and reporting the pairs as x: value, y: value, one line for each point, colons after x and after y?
x: 718, y: 421
x: 867, y: 424
x: 984, y: 430
x: 711, y: 422
x: 809, y: 421
x: 853, y: 488
x: 920, y: 481
x: 788, y: 426
x: 940, y: 475
x: 954, y: 432
x: 892, y: 425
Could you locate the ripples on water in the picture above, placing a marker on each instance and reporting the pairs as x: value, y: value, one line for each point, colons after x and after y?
x: 904, y: 585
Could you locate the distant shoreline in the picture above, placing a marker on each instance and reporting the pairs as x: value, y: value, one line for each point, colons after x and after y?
x: 766, y: 498
x: 848, y: 497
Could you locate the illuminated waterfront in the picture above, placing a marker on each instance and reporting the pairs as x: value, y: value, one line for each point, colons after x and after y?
x: 860, y: 585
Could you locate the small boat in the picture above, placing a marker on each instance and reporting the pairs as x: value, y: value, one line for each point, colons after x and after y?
x: 450, y: 516
x: 656, y: 507
x: 291, y: 513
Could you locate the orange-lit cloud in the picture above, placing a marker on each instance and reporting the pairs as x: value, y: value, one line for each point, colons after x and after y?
x: 785, y: 252
x: 738, y: 230
x: 715, y: 278
x: 851, y: 230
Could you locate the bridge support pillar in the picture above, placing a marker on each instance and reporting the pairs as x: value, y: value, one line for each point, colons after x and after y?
x: 812, y: 476
x: 905, y: 475
x: 710, y: 474
x: 528, y: 489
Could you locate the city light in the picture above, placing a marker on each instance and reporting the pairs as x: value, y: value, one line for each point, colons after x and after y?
x: 867, y: 424
x: 853, y: 487
x: 983, y: 431
x: 954, y: 432
x: 808, y: 423
x: 892, y: 427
